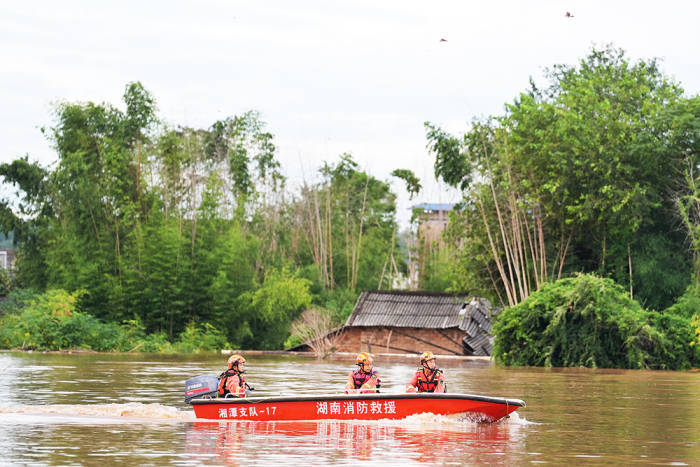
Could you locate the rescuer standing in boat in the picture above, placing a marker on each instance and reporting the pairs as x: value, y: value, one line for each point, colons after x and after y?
x: 232, y: 382
x: 364, y: 379
x: 428, y: 378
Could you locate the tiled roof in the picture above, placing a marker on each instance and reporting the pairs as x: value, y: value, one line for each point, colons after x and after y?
x: 407, y: 309
x: 477, y: 324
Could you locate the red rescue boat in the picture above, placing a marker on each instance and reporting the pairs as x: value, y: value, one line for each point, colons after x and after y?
x: 355, y: 407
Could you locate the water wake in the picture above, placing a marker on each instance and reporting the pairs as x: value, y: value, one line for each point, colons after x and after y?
x: 139, y: 412
x: 430, y: 421
x: 128, y: 411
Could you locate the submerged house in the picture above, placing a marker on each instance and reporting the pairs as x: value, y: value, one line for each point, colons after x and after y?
x: 414, y: 322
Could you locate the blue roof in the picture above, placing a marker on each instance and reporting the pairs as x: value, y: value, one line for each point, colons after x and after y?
x: 434, y: 206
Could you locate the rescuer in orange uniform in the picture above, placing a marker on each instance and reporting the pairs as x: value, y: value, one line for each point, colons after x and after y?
x: 232, y: 383
x: 428, y: 378
x: 364, y: 379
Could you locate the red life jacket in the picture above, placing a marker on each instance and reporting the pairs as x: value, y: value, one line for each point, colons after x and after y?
x: 223, y: 379
x: 428, y: 385
x: 359, y: 378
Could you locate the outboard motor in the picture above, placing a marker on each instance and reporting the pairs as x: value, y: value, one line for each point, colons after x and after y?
x: 201, y: 387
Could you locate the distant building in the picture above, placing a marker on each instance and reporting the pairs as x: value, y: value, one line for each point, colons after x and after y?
x: 433, y: 220
x: 7, y: 259
x: 414, y: 322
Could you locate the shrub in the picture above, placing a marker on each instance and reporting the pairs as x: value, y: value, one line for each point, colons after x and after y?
x: 16, y: 300
x: 682, y: 320
x: 695, y: 344
x: 52, y: 321
x: 592, y: 322
x: 157, y: 342
x: 314, y: 328
x: 203, y: 338
x: 39, y: 323
x: 687, y: 304
x: 672, y: 349
x: 6, y: 282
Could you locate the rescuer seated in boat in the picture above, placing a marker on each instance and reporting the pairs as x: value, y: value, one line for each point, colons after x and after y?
x: 232, y: 383
x: 428, y: 378
x: 363, y: 380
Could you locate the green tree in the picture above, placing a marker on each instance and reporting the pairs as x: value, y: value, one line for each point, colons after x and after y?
x: 28, y: 218
x: 683, y: 120
x: 348, y: 222
x: 412, y: 182
x: 95, y: 192
x: 178, y: 229
x: 280, y: 300
x: 577, y: 175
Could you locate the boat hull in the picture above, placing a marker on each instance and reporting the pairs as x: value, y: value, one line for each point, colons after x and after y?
x: 355, y: 407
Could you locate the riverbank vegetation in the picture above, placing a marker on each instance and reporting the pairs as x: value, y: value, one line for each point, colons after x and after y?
x: 584, y: 191
x: 52, y: 321
x: 593, y: 172
x: 589, y: 321
x: 169, y: 226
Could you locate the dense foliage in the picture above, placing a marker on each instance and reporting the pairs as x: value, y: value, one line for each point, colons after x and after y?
x: 169, y: 226
x: 592, y: 322
x: 150, y: 237
x: 6, y: 241
x: 595, y: 172
x: 580, y: 175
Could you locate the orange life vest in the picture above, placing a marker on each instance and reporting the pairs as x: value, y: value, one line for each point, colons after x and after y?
x: 223, y: 379
x: 428, y: 385
x: 359, y: 378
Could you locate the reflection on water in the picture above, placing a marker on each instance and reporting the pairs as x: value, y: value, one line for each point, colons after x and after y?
x: 89, y: 409
x: 429, y: 440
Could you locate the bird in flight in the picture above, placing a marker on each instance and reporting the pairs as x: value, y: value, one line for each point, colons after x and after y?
x: 569, y: 15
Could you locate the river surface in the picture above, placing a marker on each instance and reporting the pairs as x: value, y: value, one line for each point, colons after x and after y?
x: 104, y: 409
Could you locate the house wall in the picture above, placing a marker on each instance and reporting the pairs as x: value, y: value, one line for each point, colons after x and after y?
x: 431, y: 224
x: 376, y: 339
x: 7, y: 259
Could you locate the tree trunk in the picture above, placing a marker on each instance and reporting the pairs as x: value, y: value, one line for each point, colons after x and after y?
x: 497, y: 257
x: 629, y: 262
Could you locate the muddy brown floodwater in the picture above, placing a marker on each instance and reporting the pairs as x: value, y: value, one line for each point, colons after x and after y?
x: 103, y: 409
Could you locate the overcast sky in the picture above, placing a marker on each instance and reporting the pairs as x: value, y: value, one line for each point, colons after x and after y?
x: 327, y: 76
